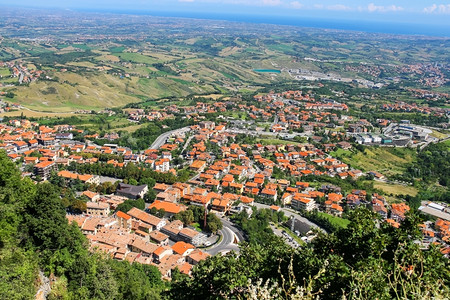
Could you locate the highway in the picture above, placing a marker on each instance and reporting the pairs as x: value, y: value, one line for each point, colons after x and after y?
x: 161, y: 140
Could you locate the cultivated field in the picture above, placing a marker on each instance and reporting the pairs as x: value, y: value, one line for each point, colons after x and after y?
x: 388, y: 161
x: 395, y: 189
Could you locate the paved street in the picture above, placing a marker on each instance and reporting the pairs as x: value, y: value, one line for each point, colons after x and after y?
x: 229, y: 233
x: 226, y: 244
x: 238, y: 233
x: 161, y: 140
x: 187, y: 143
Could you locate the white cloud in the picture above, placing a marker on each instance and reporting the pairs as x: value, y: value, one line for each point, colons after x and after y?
x: 336, y: 7
x: 296, y: 5
x: 430, y: 9
x: 378, y: 8
x: 440, y: 9
x: 339, y: 7
x: 185, y: 0
x: 271, y: 2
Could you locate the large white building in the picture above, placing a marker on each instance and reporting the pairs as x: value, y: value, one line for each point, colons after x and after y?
x: 305, y: 204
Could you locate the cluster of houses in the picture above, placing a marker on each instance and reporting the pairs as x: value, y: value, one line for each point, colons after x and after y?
x: 153, y: 115
x: 413, y: 107
x: 199, y: 108
x: 46, y: 148
x: 22, y: 72
x: 137, y: 236
x: 429, y: 95
x: 434, y: 77
x: 295, y: 160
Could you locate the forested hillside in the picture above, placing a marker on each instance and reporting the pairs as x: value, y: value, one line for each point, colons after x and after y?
x: 35, y: 235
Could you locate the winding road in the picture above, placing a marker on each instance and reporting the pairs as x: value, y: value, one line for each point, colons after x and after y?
x: 161, y: 140
x: 229, y: 235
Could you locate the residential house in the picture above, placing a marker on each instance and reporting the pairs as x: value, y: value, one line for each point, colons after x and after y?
x: 94, y: 197
x: 222, y: 206
x: 198, y: 165
x: 154, y: 222
x: 300, y: 203
x: 132, y: 191
x: 269, y: 193
x: 124, y: 220
x: 160, y: 238
x: 197, y: 256
x: 183, y: 248
x: 44, y: 168
x: 191, y: 236
x: 172, y: 229
x: 169, y: 208
x: 97, y: 209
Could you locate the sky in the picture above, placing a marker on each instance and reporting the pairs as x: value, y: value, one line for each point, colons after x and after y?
x: 435, y: 12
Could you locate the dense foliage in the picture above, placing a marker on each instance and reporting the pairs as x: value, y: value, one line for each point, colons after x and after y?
x: 196, y: 214
x: 257, y: 227
x: 433, y: 164
x: 362, y: 261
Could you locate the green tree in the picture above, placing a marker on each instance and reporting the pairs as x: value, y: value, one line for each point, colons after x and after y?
x: 187, y: 217
x: 213, y: 223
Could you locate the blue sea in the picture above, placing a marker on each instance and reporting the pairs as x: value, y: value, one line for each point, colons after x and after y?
x: 441, y: 30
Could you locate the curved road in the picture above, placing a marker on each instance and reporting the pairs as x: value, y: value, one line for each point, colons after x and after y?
x: 229, y: 233
x: 161, y: 140
x: 226, y: 245
x: 237, y: 232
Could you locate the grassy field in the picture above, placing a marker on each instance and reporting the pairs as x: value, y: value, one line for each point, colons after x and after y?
x: 336, y: 221
x: 395, y: 189
x: 34, y: 114
x: 131, y: 128
x: 388, y: 161
x: 95, y: 82
x: 85, y: 64
x: 438, y: 134
x: 212, y: 96
x: 108, y: 57
x: 77, y: 91
x: 5, y: 72
x: 136, y: 57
